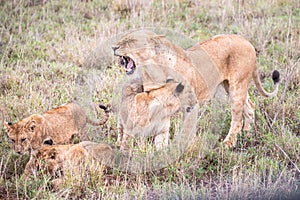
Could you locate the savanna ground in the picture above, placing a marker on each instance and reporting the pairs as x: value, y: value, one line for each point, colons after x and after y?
x: 45, y: 56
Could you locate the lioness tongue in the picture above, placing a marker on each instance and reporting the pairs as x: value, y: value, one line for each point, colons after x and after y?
x: 129, y: 65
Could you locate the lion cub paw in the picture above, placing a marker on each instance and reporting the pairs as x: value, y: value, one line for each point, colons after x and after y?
x: 230, y: 142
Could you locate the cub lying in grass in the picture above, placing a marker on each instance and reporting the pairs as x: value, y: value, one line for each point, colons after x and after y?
x: 57, y: 126
x: 72, y: 159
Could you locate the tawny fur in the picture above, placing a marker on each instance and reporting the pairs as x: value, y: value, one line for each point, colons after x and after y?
x: 233, y: 60
x: 57, y: 160
x: 57, y: 126
x: 136, y: 116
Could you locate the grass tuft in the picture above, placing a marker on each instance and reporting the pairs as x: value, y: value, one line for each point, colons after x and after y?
x: 52, y: 52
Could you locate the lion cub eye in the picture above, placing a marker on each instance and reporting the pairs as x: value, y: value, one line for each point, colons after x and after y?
x: 52, y: 156
x: 12, y: 141
x: 31, y: 128
x: 23, y: 140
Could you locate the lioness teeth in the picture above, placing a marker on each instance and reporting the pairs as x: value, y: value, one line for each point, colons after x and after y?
x: 122, y: 61
x: 127, y: 63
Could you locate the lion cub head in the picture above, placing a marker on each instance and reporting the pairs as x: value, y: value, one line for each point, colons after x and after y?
x: 22, y: 133
x: 156, y: 104
x: 49, y: 159
x: 148, y: 113
x: 56, y: 160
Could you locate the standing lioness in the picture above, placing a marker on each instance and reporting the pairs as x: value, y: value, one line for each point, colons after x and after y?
x: 224, y: 59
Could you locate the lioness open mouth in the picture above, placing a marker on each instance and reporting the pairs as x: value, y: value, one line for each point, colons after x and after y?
x: 128, y: 64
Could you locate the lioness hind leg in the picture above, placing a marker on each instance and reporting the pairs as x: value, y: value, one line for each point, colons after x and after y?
x: 238, y: 96
x: 248, y: 113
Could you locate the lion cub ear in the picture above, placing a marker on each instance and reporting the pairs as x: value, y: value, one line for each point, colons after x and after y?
x: 179, y: 88
x: 170, y: 80
x: 173, y: 84
x: 7, y: 126
x: 159, y: 36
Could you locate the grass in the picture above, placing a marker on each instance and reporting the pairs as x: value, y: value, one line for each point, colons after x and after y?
x: 50, y: 53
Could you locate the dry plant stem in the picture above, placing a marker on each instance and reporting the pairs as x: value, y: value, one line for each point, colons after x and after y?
x: 285, y: 154
x: 5, y: 51
x: 17, y: 184
x: 1, y: 164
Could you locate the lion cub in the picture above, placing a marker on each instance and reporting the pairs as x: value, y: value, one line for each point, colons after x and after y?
x: 57, y: 126
x: 58, y: 160
x: 145, y: 114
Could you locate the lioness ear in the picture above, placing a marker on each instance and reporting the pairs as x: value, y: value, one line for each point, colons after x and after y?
x: 48, y: 141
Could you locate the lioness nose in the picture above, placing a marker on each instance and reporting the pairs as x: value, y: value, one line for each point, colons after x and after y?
x: 115, y: 48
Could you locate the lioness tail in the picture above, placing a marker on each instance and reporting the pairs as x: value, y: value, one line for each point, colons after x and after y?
x: 276, y: 79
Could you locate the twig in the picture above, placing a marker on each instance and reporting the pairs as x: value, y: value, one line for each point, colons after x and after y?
x: 269, y: 120
x: 285, y: 154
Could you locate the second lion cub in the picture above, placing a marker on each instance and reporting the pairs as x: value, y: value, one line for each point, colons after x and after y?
x: 57, y: 126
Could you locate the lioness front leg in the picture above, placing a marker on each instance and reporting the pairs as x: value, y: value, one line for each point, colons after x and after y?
x: 124, y: 142
x: 120, y: 134
x: 119, y: 139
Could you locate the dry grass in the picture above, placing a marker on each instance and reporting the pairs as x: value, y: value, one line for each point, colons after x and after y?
x: 48, y: 57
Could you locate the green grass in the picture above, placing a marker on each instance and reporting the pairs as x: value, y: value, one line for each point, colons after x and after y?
x: 48, y: 57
